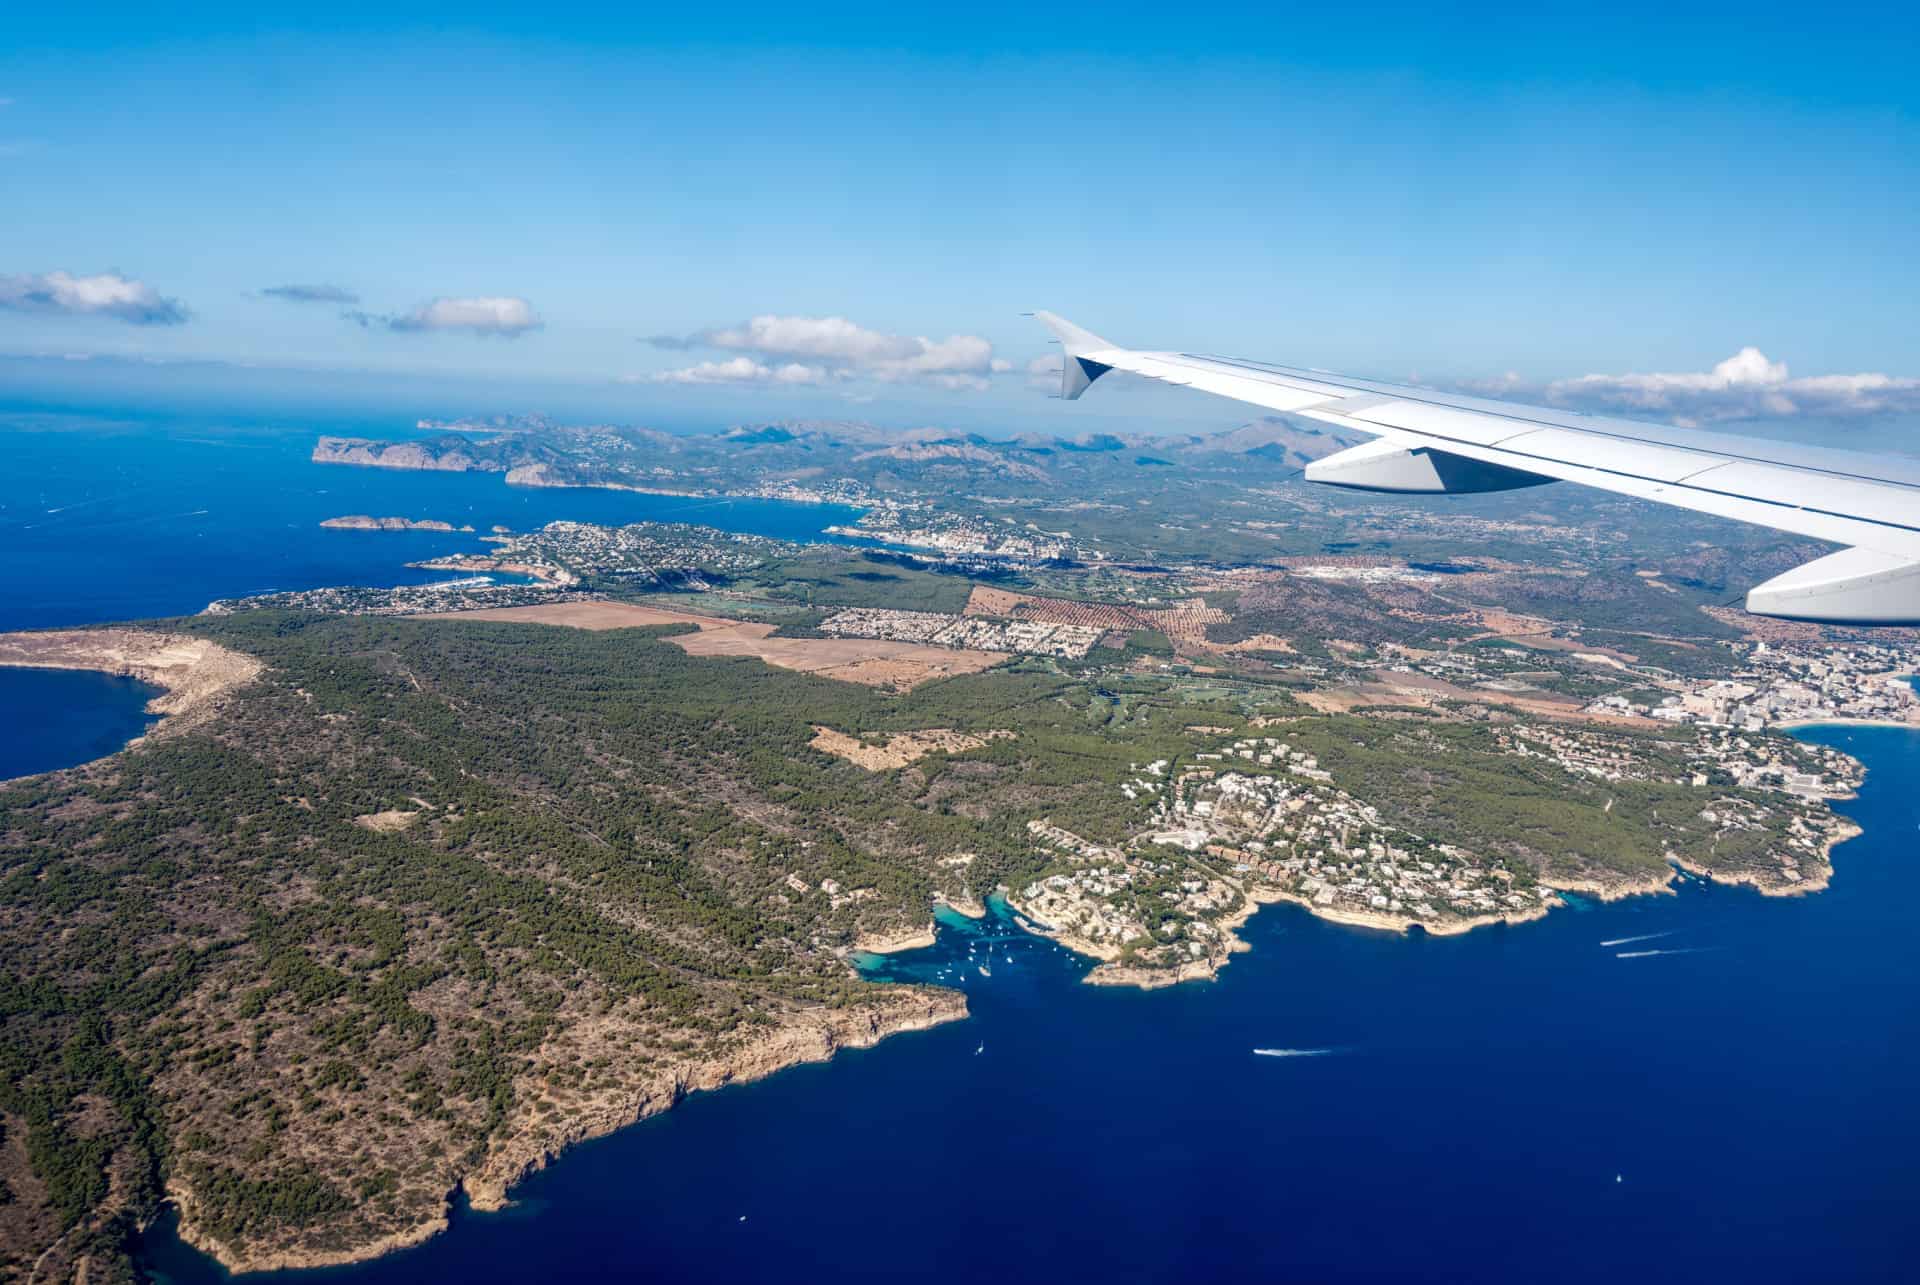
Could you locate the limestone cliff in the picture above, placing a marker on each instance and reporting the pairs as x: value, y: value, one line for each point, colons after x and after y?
x: 407, y: 455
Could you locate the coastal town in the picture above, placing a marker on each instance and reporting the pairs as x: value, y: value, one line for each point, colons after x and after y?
x: 469, y: 593
x: 1266, y: 825
x: 921, y: 526
x: 1780, y: 686
x: 640, y: 555
x: 1260, y: 819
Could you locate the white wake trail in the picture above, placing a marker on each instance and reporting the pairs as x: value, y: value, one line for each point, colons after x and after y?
x: 1628, y: 941
x: 1648, y: 954
x: 1293, y: 1052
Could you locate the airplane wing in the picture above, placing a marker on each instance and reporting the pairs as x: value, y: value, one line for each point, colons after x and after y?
x: 1427, y: 441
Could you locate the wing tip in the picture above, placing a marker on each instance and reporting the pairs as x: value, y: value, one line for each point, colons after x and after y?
x: 1077, y: 373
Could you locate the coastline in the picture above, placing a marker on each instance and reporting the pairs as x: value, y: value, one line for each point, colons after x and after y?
x: 555, y: 577
x: 1801, y: 724
x: 535, y: 475
x: 361, y: 522
x: 892, y: 943
x: 965, y: 907
x: 195, y: 674
x: 814, y: 1038
x: 182, y: 1199
x: 811, y: 1037
x: 407, y: 457
x: 1109, y: 972
x: 1805, y: 887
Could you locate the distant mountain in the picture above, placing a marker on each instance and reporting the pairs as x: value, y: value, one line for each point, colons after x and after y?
x: 763, y: 436
x: 1094, y: 442
x: 444, y: 454
x: 1283, y: 441
x: 930, y: 458
x: 967, y: 452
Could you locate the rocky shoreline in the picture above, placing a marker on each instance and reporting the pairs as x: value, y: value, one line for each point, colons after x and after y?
x: 361, y: 522
x: 812, y: 1037
x: 1110, y: 972
x: 892, y: 943
x: 196, y: 673
x: 402, y: 455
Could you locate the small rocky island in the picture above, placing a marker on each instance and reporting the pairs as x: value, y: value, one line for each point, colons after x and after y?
x: 361, y: 522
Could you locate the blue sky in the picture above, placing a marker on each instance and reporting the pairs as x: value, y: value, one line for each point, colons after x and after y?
x: 524, y: 199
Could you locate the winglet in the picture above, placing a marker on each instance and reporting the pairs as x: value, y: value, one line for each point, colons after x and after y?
x: 1077, y: 373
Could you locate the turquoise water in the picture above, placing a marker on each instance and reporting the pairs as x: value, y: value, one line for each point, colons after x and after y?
x: 1518, y: 1104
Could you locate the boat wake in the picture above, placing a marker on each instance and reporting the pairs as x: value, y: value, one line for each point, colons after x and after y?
x: 1628, y: 941
x: 1293, y: 1052
x: 1648, y: 954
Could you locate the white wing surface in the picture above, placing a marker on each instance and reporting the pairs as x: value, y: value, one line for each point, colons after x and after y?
x: 1429, y: 441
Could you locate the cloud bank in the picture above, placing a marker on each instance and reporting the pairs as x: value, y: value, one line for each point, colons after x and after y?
x: 831, y: 348
x: 502, y: 315
x: 1747, y: 385
x: 107, y: 294
x: 739, y: 370
x: 311, y: 294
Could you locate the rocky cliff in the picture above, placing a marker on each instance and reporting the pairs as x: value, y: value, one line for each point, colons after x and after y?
x: 439, y: 457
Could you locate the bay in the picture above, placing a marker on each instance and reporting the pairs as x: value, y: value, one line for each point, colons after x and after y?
x: 54, y: 718
x: 1516, y: 1104
x: 123, y: 516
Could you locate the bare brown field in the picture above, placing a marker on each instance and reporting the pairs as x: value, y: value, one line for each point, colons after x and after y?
x: 1185, y: 621
x: 901, y: 748
x: 1259, y: 642
x: 1426, y: 691
x: 874, y: 662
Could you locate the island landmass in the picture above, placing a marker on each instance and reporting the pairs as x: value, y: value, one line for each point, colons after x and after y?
x: 361, y: 522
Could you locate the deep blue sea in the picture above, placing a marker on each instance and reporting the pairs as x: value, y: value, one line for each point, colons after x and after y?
x: 1514, y: 1105
x: 53, y: 718
x: 117, y: 516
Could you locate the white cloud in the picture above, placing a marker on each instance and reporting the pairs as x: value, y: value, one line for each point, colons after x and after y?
x: 1747, y: 385
x: 842, y: 349
x: 831, y: 338
x: 107, y: 294
x: 738, y: 370
x: 485, y: 315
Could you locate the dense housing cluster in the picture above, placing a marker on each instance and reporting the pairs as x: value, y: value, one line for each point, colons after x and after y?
x: 1794, y: 685
x: 469, y: 593
x: 642, y: 552
x: 978, y: 633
